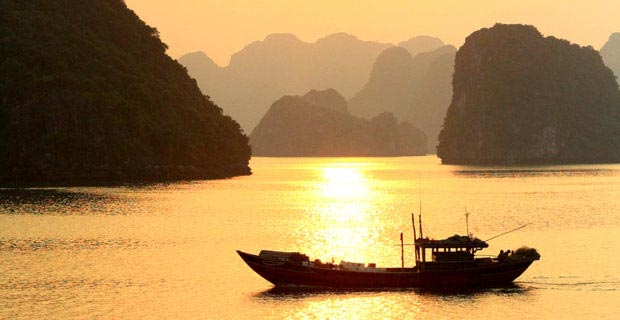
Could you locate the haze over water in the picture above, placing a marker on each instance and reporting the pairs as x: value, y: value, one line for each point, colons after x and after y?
x: 168, y: 251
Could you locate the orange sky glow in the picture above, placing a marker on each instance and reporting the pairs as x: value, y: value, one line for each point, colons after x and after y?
x: 223, y: 27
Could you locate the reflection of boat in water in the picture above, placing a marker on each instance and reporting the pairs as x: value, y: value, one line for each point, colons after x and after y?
x: 452, y: 264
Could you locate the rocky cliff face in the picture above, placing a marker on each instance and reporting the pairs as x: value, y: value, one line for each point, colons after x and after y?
x: 521, y: 98
x: 88, y: 94
x: 317, y: 124
x: 610, y: 53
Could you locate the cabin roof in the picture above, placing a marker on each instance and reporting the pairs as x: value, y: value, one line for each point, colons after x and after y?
x: 455, y: 241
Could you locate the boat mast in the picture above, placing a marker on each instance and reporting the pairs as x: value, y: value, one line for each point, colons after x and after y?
x: 413, y: 225
x: 423, y: 253
x: 415, y: 249
x: 420, y: 222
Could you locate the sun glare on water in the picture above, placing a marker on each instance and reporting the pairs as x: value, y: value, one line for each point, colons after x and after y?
x: 343, y: 182
x: 343, y: 220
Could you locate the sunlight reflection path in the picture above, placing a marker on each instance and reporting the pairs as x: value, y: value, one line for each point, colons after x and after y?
x: 344, y: 221
x: 363, y: 306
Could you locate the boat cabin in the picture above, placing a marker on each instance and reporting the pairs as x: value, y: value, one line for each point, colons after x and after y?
x: 453, y: 252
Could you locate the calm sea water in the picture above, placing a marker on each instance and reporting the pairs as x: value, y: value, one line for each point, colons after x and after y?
x: 168, y: 251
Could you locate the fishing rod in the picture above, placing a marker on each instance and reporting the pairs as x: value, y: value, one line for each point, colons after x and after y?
x: 507, y: 232
x: 497, y: 236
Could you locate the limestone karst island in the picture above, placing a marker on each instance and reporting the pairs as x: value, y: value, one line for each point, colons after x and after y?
x: 88, y: 94
x: 318, y: 124
x: 521, y: 98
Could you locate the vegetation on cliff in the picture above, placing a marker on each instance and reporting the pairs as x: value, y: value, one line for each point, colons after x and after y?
x: 521, y: 98
x: 318, y: 124
x: 88, y: 93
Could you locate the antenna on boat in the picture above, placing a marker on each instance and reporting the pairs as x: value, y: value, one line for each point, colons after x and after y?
x: 420, y: 202
x: 507, y: 232
x: 467, y: 221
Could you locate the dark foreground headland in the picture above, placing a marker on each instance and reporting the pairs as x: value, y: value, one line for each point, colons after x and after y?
x: 521, y: 98
x: 88, y: 94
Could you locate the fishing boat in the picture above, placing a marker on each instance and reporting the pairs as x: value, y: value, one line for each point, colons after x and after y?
x: 447, y: 263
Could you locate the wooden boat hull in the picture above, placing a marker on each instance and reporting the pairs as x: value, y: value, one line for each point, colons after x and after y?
x: 477, y: 275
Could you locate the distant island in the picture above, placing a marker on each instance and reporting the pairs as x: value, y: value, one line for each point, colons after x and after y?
x: 88, y: 94
x: 319, y: 124
x: 521, y: 98
x: 610, y: 52
x: 282, y: 64
x: 416, y: 88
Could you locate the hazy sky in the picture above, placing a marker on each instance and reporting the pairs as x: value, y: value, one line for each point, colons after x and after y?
x: 223, y: 27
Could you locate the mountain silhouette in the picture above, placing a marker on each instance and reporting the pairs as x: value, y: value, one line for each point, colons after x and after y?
x: 88, y: 94
x: 328, y: 99
x: 419, y: 44
x: 282, y: 64
x: 521, y: 98
x: 390, y: 86
x: 416, y: 89
x: 318, y: 124
x: 203, y: 69
x: 610, y: 52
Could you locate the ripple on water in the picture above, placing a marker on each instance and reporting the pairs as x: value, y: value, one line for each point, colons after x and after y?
x: 33, y: 244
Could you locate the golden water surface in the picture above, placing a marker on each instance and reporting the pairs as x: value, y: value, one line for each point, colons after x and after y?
x: 168, y: 250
